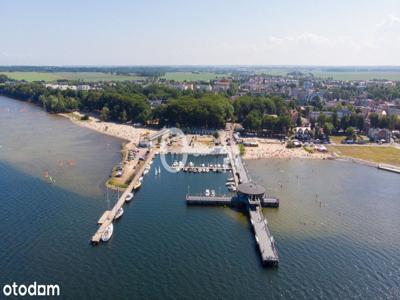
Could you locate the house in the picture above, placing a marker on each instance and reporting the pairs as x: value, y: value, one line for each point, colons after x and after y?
x: 204, y: 87
x: 144, y: 143
x: 155, y: 103
x: 394, y: 110
x: 380, y: 135
x: 341, y: 113
x: 313, y: 115
x: 221, y: 85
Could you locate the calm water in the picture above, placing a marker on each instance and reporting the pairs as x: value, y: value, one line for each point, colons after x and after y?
x: 337, y: 230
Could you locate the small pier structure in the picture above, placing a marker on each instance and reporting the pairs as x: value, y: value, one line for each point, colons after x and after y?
x: 108, y: 216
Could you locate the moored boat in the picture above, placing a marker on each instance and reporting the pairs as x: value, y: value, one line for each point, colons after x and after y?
x: 119, y: 213
x: 129, y: 197
x: 107, y: 233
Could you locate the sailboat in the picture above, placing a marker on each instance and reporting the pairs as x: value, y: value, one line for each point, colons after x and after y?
x: 120, y: 211
x: 107, y: 233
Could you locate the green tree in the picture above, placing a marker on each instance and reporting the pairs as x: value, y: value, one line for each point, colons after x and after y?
x: 253, y: 121
x: 351, y: 132
x: 298, y: 120
x: 328, y: 128
x: 104, y: 114
x: 123, y: 117
x: 374, y: 119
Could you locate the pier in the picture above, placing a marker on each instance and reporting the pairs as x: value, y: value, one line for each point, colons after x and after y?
x: 265, y: 242
x: 206, y: 169
x: 389, y: 168
x: 231, y: 201
x: 252, y: 198
x: 108, y: 216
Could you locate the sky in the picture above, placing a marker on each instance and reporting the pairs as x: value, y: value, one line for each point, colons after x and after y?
x: 206, y: 32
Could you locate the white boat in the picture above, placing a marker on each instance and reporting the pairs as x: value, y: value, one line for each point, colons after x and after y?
x: 107, y: 233
x: 229, y: 183
x: 156, y: 172
x: 230, y: 179
x: 232, y: 188
x: 129, y: 197
x: 212, y: 193
x: 119, y: 213
x: 207, y: 193
x: 145, y: 171
x: 141, y: 178
x: 159, y: 170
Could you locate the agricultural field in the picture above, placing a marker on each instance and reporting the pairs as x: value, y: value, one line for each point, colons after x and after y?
x: 192, y: 76
x: 337, y: 75
x: 53, y: 76
x: 395, y: 76
x: 376, y: 154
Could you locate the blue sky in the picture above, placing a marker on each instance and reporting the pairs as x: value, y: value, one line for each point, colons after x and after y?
x: 218, y: 32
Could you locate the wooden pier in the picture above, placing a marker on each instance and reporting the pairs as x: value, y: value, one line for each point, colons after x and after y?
x: 108, y: 216
x: 206, y: 169
x: 208, y: 200
x: 265, y: 242
x: 227, y: 201
x: 389, y: 168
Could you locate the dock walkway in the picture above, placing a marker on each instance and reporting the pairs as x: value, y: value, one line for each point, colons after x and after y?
x: 108, y: 216
x: 265, y: 241
x: 208, y: 200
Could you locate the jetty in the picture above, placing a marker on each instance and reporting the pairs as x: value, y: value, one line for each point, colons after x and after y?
x: 231, y: 201
x: 108, y: 216
x: 206, y: 169
x: 252, y: 198
x: 389, y: 168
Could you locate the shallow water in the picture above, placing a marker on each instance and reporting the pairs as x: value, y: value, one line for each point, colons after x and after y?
x: 337, y: 229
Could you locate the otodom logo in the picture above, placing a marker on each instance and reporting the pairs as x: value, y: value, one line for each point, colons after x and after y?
x: 33, y: 289
x: 179, y: 135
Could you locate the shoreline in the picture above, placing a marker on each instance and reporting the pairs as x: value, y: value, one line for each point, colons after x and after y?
x: 267, y: 148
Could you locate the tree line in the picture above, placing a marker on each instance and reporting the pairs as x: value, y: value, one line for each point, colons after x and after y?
x: 123, y: 102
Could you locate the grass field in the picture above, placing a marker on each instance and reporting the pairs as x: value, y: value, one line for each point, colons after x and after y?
x: 189, y: 76
x: 53, y: 76
x: 337, y: 139
x: 377, y: 154
x: 395, y: 76
x: 356, y: 75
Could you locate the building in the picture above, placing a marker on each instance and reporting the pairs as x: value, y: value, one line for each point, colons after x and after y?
x: 144, y: 143
x: 394, y: 110
x: 221, y: 85
x: 253, y: 194
x: 380, y: 135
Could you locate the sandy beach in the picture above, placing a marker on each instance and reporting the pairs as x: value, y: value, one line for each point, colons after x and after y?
x: 126, y: 132
x: 269, y: 148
